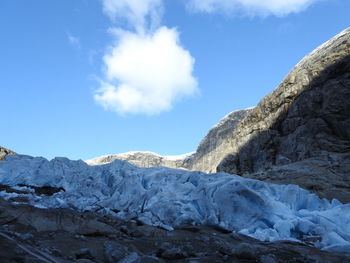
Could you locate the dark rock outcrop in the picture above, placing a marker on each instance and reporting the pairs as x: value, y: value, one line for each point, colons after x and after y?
x: 4, y: 152
x: 327, y: 176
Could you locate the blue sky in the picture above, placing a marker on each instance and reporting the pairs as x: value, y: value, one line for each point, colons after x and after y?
x: 85, y: 78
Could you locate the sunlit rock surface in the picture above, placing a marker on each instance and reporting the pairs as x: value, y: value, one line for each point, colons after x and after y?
x: 4, y: 152
x: 303, y: 124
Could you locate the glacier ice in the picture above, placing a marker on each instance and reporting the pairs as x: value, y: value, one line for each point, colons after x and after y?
x: 168, y: 198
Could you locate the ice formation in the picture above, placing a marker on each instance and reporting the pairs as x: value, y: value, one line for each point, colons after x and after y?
x: 168, y: 198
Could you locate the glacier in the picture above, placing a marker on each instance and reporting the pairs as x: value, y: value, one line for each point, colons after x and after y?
x: 168, y: 198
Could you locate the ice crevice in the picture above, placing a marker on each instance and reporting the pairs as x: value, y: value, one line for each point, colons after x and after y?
x: 169, y: 198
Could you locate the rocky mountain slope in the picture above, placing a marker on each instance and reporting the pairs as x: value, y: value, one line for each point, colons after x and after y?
x: 144, y: 159
x: 4, y: 152
x: 307, y: 115
x: 300, y: 133
x: 210, y: 148
x: 206, y: 151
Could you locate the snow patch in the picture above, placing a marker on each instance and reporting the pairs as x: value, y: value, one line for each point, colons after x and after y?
x: 224, y: 119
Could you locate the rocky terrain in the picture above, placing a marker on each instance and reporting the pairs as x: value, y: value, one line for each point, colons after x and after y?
x: 4, y: 152
x: 297, y: 134
x: 208, y: 148
x: 301, y: 130
x: 144, y: 159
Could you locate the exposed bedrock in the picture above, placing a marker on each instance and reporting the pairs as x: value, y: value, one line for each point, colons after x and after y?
x: 4, y: 152
x: 207, y: 151
x: 302, y: 129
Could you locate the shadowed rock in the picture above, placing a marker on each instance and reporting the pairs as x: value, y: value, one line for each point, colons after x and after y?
x: 300, y: 132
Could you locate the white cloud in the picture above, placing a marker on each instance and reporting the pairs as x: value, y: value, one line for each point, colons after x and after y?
x: 74, y: 41
x: 147, y: 70
x: 146, y: 73
x: 251, y: 7
x: 138, y: 13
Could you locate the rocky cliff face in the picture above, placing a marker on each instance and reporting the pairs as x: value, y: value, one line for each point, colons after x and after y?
x: 300, y: 132
x: 4, y: 152
x: 214, y: 144
x: 308, y: 115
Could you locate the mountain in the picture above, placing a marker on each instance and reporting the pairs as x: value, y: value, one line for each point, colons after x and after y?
x: 308, y: 115
x: 4, y: 152
x: 214, y: 143
x: 144, y: 159
x: 205, y: 153
x: 300, y: 133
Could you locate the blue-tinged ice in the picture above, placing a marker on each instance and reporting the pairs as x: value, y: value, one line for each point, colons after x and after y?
x: 168, y: 198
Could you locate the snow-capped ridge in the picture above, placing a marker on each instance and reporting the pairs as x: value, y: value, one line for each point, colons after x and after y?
x: 167, y: 157
x: 215, y: 136
x: 224, y: 119
x: 141, y: 158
